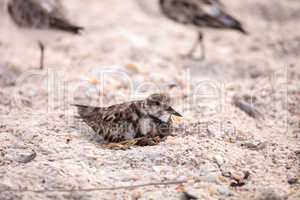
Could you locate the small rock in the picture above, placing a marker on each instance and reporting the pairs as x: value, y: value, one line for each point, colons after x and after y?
x: 207, y: 169
x: 132, y: 67
x: 255, y: 147
x: 239, y: 178
x: 27, y: 158
x: 211, y: 178
x: 268, y: 194
x: 136, y: 195
x: 21, y: 155
x: 214, y: 131
x: 248, y: 108
x: 171, y: 140
x: 219, y: 160
x: 8, y: 75
x: 293, y: 180
x: 187, y: 196
x: 224, y: 191
x: 297, y: 152
x: 161, y: 169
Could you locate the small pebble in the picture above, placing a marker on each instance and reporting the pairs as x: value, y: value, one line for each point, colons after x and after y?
x: 219, y: 160
x: 255, y: 147
x: 27, y: 158
x: 293, y: 180
x: 211, y: 178
x: 224, y: 191
x: 268, y: 194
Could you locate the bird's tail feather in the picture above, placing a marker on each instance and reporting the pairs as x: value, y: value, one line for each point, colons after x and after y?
x: 231, y: 22
x: 64, y: 25
x: 84, y: 110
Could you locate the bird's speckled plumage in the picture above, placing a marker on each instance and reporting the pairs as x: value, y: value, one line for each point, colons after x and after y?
x: 145, y: 118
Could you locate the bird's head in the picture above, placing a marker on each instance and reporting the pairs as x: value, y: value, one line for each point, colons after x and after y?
x: 158, y: 107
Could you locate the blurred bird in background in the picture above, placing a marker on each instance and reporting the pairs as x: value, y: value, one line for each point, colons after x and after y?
x: 40, y: 15
x: 198, y: 14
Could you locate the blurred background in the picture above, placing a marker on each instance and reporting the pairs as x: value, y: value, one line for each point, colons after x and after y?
x: 134, y: 37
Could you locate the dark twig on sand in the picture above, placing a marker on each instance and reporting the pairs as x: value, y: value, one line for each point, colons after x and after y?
x: 248, y: 108
x: 98, y: 189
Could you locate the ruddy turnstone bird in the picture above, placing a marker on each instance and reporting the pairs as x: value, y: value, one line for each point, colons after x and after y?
x: 198, y: 14
x: 40, y: 15
x: 136, y: 119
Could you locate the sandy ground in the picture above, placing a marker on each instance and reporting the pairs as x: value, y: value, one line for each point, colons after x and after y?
x: 219, y: 152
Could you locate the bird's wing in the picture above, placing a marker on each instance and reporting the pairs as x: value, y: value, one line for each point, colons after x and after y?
x: 26, y: 13
x: 41, y: 14
x: 102, y: 116
x: 185, y: 11
x: 181, y: 11
x: 211, y: 8
x: 51, y: 7
x: 200, y: 13
x: 56, y: 16
x: 119, y: 113
x: 212, y: 13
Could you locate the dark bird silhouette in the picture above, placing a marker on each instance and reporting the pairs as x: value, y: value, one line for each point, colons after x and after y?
x: 41, y: 15
x: 144, y: 118
x: 200, y: 14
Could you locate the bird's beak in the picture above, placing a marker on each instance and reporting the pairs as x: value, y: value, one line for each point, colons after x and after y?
x: 173, y: 112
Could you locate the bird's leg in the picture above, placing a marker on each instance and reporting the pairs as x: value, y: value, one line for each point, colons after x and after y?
x: 193, y: 49
x: 199, y: 41
x: 42, y: 49
x: 202, y: 46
